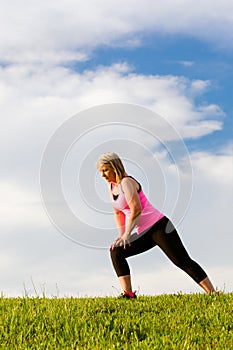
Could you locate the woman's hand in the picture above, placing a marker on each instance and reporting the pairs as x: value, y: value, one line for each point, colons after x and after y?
x: 122, y: 240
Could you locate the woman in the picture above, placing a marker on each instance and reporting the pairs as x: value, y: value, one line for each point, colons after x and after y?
x: 153, y: 228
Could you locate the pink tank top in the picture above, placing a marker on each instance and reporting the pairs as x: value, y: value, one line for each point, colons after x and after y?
x: 149, y: 215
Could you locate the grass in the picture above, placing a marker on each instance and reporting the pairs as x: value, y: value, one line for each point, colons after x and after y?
x: 192, y: 321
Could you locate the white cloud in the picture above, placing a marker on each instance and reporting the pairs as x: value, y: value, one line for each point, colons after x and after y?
x: 199, y: 86
x: 216, y: 167
x: 56, y: 30
x: 45, y: 95
x: 186, y: 63
x: 20, y: 207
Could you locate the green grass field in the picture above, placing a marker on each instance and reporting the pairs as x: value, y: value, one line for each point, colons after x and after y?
x: 192, y: 321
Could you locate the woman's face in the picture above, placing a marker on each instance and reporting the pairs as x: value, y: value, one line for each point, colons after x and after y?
x: 108, y: 173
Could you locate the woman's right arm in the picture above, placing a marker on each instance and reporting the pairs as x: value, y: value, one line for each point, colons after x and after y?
x: 119, y: 216
x: 120, y: 222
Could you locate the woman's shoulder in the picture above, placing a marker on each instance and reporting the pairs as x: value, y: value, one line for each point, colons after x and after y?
x: 129, y: 181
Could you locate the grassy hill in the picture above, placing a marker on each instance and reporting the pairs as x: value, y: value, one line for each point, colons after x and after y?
x: 192, y: 321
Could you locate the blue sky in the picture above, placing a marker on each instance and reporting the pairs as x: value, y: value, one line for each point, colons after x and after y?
x: 61, y: 58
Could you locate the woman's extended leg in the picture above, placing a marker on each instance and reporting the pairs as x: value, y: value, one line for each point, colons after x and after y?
x: 170, y: 242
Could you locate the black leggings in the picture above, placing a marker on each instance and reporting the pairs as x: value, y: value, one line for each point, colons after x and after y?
x: 168, y: 240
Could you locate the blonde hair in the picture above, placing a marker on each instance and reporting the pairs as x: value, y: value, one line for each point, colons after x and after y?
x: 114, y: 162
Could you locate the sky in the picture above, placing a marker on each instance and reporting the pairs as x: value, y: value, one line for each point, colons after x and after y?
x: 143, y: 78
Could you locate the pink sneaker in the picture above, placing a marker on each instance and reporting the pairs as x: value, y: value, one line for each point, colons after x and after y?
x: 128, y: 295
